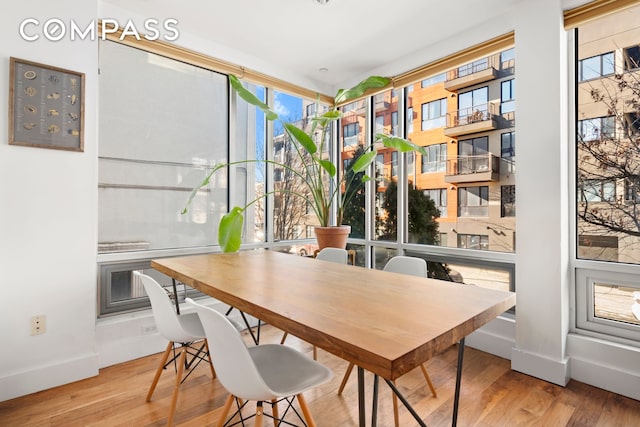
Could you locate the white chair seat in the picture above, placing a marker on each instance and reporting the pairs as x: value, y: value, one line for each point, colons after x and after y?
x: 265, y: 373
x: 286, y: 371
x: 190, y: 323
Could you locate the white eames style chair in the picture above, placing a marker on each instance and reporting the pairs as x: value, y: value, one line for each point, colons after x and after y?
x: 337, y: 255
x: 404, y: 265
x: 265, y: 373
x: 182, y: 330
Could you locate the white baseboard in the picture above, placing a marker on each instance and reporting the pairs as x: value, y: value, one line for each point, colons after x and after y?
x: 48, y: 376
x: 604, y: 364
x: 536, y: 365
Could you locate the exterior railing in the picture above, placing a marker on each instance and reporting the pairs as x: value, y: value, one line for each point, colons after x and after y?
x: 475, y: 114
x: 462, y: 165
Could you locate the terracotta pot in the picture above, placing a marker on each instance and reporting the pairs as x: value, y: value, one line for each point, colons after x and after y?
x: 332, y: 237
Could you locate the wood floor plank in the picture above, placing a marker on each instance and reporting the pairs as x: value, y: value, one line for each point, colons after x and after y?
x: 492, y: 395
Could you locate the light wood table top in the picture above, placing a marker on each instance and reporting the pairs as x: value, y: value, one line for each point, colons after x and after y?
x: 386, y: 323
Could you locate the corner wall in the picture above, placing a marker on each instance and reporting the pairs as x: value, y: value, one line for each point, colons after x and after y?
x: 48, y: 220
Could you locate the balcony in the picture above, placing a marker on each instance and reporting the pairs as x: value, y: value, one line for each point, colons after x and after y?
x: 479, y: 118
x: 471, y: 74
x: 481, y: 168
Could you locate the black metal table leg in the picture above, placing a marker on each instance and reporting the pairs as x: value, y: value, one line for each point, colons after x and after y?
x: 405, y: 402
x: 361, y: 408
x: 456, y: 398
x: 175, y: 295
x: 374, y: 405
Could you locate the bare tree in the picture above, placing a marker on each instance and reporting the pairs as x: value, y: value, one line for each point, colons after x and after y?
x: 290, y: 210
x: 608, y: 172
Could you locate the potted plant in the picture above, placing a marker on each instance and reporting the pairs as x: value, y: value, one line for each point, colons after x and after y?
x: 324, y: 192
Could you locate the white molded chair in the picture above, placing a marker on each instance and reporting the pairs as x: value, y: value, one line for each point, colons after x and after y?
x: 264, y: 373
x: 404, y: 265
x: 337, y: 255
x: 183, y: 329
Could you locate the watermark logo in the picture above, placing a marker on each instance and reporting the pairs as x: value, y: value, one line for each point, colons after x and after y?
x: 55, y: 29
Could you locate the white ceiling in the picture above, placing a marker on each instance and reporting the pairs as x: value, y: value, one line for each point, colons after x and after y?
x: 351, y: 38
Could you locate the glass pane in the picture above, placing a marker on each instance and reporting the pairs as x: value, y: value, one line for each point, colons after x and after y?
x: 608, y: 223
x: 351, y: 143
x: 153, y: 151
x: 618, y: 303
x: 590, y: 68
x: 439, y: 205
x: 250, y: 177
x: 386, y: 197
x: 356, y: 254
x: 289, y: 210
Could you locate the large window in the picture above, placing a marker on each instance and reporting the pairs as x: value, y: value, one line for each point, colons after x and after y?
x: 508, y: 96
x: 289, y: 210
x: 473, y: 106
x: 596, y: 66
x: 473, y: 201
x: 596, y: 128
x: 434, y: 114
x: 435, y: 159
x: 606, y: 162
x: 508, y: 152
x: 439, y: 198
x: 149, y: 160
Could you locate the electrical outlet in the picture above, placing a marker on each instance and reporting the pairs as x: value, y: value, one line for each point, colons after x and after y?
x: 38, y: 324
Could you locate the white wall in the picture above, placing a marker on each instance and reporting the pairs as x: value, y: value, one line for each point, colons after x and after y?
x: 48, y: 226
x: 48, y: 220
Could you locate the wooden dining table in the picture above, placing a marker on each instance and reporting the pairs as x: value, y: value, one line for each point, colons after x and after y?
x: 386, y: 323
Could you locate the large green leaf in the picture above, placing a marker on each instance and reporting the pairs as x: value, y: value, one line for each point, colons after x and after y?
x: 400, y: 144
x: 364, y: 161
x: 371, y: 82
x: 302, y: 137
x: 328, y: 166
x: 230, y: 230
x: 236, y: 84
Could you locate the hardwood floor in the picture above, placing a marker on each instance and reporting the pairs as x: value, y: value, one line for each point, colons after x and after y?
x: 492, y: 395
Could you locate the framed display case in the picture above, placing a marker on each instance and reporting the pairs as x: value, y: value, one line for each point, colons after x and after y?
x: 46, y: 106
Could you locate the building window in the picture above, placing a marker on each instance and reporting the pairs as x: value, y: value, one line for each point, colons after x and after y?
x: 507, y: 200
x: 508, y: 152
x: 394, y: 123
x: 394, y: 163
x: 380, y: 166
x: 473, y: 201
x: 596, y: 129
x: 631, y: 57
x: 596, y: 66
x: 380, y: 124
x: 473, y: 106
x: 473, y: 241
x: 434, y: 114
x: 508, y: 96
x: 436, y: 158
x: 350, y: 134
x: 311, y: 110
x: 410, y: 120
x: 439, y: 78
x: 507, y: 57
x: 473, y: 67
x: 473, y: 155
x: 632, y: 189
x: 439, y: 197
x: 596, y: 190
